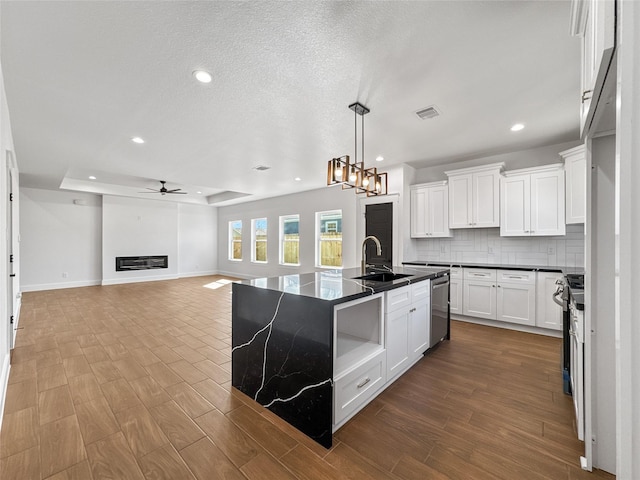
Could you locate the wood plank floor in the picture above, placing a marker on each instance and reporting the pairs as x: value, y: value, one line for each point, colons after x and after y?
x: 133, y: 382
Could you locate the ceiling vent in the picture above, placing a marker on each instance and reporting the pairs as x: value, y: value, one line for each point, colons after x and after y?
x: 261, y: 168
x: 428, y: 112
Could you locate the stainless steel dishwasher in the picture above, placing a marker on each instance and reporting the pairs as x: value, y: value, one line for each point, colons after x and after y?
x: 439, y: 310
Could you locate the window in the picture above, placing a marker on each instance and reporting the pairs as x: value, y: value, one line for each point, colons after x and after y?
x: 235, y: 240
x: 329, y: 238
x: 290, y: 240
x: 259, y: 240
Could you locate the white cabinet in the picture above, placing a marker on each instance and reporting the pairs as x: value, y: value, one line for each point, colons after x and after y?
x: 474, y: 196
x: 533, y: 202
x: 359, y: 367
x: 455, y: 291
x: 504, y: 295
x: 430, y: 210
x: 407, y: 326
x: 575, y: 167
x: 479, y: 297
x: 516, y: 297
x: 594, y: 21
x: 548, y: 313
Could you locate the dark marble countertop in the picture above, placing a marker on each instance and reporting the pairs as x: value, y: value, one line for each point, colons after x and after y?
x: 340, y: 286
x: 499, y: 266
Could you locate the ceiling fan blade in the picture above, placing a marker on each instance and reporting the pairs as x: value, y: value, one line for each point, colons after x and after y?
x: 173, y: 192
x: 153, y: 189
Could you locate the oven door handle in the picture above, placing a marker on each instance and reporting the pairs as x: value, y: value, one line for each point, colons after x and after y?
x: 554, y: 297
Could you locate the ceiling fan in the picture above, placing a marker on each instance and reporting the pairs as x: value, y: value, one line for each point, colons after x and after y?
x: 163, y: 190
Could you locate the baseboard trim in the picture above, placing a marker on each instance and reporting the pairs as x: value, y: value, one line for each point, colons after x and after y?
x: 235, y: 275
x: 508, y: 326
x: 58, y: 286
x: 4, y: 383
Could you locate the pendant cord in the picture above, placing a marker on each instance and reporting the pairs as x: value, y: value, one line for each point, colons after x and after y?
x: 355, y: 133
x: 363, y: 141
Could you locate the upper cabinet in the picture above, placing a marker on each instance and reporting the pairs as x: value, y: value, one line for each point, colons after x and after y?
x: 594, y: 21
x: 533, y: 202
x: 474, y: 196
x: 430, y: 210
x: 575, y: 166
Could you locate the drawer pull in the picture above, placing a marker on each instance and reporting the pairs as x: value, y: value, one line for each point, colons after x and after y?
x: 364, y: 382
x: 514, y: 276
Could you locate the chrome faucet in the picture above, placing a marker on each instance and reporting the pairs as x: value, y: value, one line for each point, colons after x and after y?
x: 363, y: 262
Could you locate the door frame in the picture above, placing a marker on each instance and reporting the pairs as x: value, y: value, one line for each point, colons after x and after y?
x: 392, y: 198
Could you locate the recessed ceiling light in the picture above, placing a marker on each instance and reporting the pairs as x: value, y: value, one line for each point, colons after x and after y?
x: 202, y: 76
x: 137, y: 140
x: 517, y: 127
x: 379, y: 158
x: 297, y: 179
x: 199, y: 193
x: 91, y: 177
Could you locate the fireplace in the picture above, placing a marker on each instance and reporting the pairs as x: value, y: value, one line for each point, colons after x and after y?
x: 124, y: 264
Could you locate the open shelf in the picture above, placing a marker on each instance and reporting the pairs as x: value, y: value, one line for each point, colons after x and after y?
x: 358, y: 333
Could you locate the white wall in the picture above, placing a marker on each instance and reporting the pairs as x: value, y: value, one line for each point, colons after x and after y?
x: 135, y: 227
x: 197, y: 240
x: 485, y: 245
x: 61, y: 242
x: 306, y: 204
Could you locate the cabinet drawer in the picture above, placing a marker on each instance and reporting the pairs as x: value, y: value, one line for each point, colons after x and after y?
x: 397, y: 298
x: 358, y: 386
x: 516, y: 276
x: 420, y: 290
x: 480, y: 274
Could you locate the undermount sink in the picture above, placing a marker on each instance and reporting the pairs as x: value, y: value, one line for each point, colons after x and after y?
x: 382, y: 277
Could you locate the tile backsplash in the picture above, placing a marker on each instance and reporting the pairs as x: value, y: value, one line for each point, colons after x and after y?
x: 485, y: 245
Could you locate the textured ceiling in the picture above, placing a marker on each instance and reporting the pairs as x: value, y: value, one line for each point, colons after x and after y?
x: 82, y: 78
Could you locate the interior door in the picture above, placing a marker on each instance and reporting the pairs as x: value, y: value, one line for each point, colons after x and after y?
x: 379, y: 222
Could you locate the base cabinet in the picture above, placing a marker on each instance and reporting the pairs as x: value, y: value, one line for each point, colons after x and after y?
x: 455, y: 291
x: 407, y: 326
x: 479, y: 297
x: 503, y: 295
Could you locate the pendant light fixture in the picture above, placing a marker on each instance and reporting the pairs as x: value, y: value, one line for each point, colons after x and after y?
x: 350, y: 174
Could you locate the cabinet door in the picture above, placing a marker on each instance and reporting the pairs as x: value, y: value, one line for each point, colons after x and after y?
x: 486, y: 200
x: 479, y: 299
x: 455, y: 296
x: 515, y: 207
x: 548, y: 312
x: 547, y: 203
x: 517, y: 303
x: 460, y: 193
x: 397, y: 342
x: 576, y: 187
x: 438, y: 211
x: 419, y: 328
x: 418, y: 213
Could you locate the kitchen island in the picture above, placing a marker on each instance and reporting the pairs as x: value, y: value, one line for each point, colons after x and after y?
x: 300, y: 343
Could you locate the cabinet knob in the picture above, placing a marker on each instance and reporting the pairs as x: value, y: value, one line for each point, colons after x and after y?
x: 585, y: 97
x: 493, y: 286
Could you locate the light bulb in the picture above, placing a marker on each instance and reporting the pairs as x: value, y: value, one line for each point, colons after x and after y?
x: 353, y: 177
x: 338, y: 172
x: 378, y: 188
x: 365, y: 182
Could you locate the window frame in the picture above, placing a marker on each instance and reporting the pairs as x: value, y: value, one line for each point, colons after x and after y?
x: 254, y: 240
x: 281, y: 243
x: 319, y: 240
x: 230, y: 256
